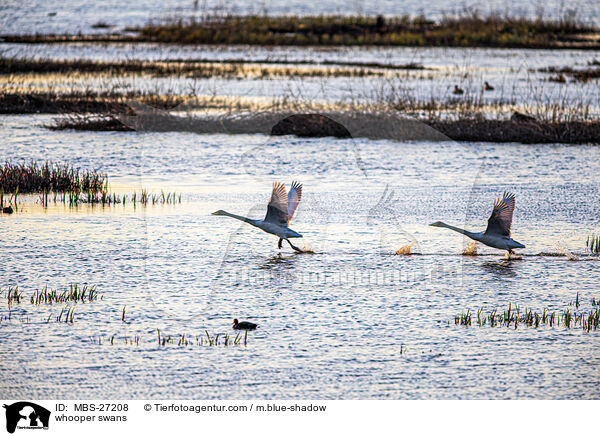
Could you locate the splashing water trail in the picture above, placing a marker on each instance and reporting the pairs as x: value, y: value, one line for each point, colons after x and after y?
x: 308, y: 248
x: 562, y: 248
x: 406, y: 249
x: 470, y: 249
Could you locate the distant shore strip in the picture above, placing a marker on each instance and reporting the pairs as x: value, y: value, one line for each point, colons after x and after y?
x: 469, y: 29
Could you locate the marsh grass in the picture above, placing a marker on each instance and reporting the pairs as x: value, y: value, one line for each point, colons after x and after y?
x: 105, y: 198
x: 51, y: 102
x: 593, y: 244
x: 581, y: 75
x: 123, y: 316
x: 65, y: 184
x: 560, y: 119
x: 514, y: 316
x: 75, y: 294
x: 13, y: 295
x: 182, y: 340
x: 11, y: 200
x: 466, y: 29
x: 200, y: 69
x: 205, y: 339
x: 458, y: 127
x: 66, y: 315
x: 34, y: 178
x: 462, y: 30
x: 110, y: 340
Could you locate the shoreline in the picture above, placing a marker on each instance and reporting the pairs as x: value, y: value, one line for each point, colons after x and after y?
x: 390, y: 125
x: 466, y: 30
x: 591, y: 44
x: 207, y: 115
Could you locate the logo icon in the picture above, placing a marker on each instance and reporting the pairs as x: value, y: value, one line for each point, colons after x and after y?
x: 26, y: 415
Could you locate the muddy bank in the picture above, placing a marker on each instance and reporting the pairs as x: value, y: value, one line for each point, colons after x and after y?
x: 347, y: 125
x: 207, y: 68
x: 80, y: 102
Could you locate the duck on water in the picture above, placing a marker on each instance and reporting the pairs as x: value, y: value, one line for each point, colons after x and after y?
x: 244, y: 325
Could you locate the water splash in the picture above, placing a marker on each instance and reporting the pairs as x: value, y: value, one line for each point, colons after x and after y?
x: 406, y: 249
x: 470, y: 249
x: 562, y: 248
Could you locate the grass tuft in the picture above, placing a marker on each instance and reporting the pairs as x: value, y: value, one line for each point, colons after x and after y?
x: 513, y: 317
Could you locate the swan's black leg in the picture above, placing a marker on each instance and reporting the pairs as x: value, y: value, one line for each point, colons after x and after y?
x: 279, y: 243
x: 294, y: 247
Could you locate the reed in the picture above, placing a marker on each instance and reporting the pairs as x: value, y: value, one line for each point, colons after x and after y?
x: 593, y: 244
x: 467, y: 29
x: 66, y: 315
x: 206, y: 339
x: 581, y: 75
x: 207, y: 68
x: 47, y: 177
x: 75, y: 294
x: 13, y: 295
x: 514, y: 316
x: 100, y: 340
x: 104, y: 197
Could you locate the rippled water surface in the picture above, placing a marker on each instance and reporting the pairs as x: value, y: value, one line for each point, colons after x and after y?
x: 351, y: 320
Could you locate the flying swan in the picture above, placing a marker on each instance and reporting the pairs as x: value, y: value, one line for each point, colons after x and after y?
x: 280, y: 211
x: 497, y: 234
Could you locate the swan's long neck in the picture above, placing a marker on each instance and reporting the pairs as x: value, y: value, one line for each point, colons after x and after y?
x: 463, y: 231
x: 241, y: 218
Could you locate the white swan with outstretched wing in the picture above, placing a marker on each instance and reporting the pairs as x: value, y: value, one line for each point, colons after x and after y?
x: 280, y: 211
x: 497, y: 234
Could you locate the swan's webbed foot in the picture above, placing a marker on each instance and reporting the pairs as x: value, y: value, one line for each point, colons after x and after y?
x: 508, y: 254
x: 279, y: 243
x: 294, y: 247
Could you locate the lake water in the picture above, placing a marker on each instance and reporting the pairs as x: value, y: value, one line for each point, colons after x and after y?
x: 351, y: 320
x: 71, y: 16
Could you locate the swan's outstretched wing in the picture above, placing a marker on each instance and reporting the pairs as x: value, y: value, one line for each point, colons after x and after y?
x: 294, y: 197
x: 501, y: 218
x: 277, y: 210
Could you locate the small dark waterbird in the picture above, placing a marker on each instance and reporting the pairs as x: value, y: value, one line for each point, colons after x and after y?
x: 457, y: 90
x: 488, y: 87
x: 244, y: 325
x: 280, y: 211
x: 497, y: 234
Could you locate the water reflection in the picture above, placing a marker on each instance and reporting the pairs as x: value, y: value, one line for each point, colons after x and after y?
x: 503, y: 268
x: 278, y: 262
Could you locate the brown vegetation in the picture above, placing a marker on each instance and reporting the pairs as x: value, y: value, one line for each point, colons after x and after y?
x: 469, y: 29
